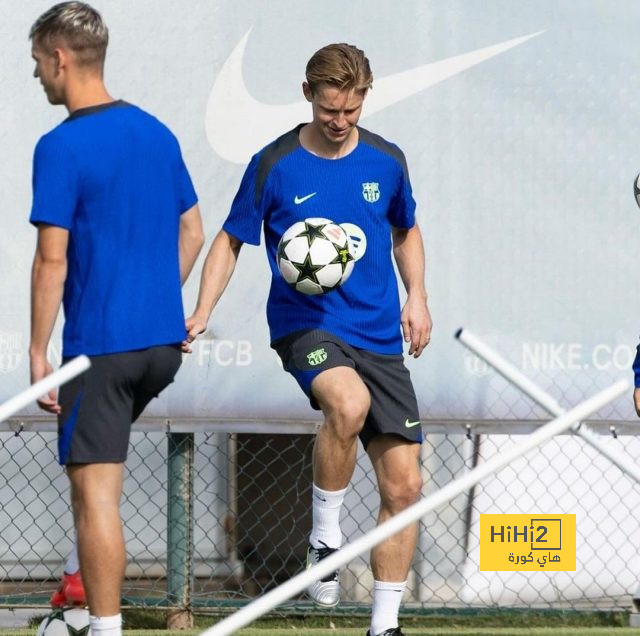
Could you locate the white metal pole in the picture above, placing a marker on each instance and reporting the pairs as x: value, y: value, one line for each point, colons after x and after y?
x: 517, y: 378
x: 63, y: 374
x: 350, y: 551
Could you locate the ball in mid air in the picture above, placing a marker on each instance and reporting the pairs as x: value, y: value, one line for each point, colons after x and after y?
x: 314, y: 257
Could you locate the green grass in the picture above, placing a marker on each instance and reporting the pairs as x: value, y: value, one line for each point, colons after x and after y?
x: 505, y: 622
x: 488, y: 618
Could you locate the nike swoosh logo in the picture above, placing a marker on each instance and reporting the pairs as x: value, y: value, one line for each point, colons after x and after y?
x: 230, y: 105
x: 298, y: 200
x: 409, y: 424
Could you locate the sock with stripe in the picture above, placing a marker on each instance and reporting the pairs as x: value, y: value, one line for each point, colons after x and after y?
x: 326, y: 507
x: 386, y: 605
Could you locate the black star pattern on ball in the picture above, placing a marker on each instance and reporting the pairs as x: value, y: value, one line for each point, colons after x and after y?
x: 56, y: 614
x: 281, y: 247
x: 307, y: 270
x: 312, y: 232
x: 83, y: 631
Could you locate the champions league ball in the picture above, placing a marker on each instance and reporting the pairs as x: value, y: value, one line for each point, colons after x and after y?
x: 314, y: 256
x: 71, y: 621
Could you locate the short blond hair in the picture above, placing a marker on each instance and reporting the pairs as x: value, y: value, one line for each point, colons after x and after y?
x: 341, y: 65
x: 79, y: 25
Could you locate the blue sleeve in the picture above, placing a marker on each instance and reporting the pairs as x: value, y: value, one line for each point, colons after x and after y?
x: 247, y: 211
x: 56, y: 184
x: 636, y: 368
x: 187, y: 193
x: 402, y: 209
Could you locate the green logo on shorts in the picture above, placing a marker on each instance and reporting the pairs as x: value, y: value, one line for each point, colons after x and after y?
x: 317, y: 357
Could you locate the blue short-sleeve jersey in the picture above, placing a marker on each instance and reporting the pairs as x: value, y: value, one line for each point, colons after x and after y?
x: 636, y: 368
x: 114, y: 177
x: 369, y: 189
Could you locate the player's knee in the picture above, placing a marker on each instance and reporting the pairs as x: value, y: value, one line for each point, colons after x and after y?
x: 401, y: 493
x: 93, y: 490
x: 88, y: 502
x: 348, y: 412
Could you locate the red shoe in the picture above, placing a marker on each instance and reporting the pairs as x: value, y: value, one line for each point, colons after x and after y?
x: 70, y: 592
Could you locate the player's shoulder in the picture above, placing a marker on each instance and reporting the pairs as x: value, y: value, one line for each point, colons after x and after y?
x: 54, y: 141
x: 145, y: 117
x: 279, y: 148
x: 115, y: 115
x: 379, y: 144
x: 265, y: 160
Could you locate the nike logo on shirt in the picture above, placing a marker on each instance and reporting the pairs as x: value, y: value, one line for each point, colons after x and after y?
x: 409, y: 424
x: 298, y: 200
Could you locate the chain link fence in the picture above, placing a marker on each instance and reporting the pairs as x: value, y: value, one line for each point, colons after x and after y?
x: 217, y: 513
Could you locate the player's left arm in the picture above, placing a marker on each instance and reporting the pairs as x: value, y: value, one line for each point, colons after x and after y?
x: 408, y: 251
x: 48, y: 274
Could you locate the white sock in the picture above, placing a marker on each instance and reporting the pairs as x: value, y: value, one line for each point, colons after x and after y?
x: 326, y: 517
x: 106, y: 625
x: 386, y: 605
x: 73, y: 564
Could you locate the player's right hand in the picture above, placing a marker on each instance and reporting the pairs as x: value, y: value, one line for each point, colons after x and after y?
x: 194, y: 325
x: 636, y: 400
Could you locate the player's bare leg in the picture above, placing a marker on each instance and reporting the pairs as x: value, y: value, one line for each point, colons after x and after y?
x: 95, y: 493
x: 345, y: 402
x: 395, y: 462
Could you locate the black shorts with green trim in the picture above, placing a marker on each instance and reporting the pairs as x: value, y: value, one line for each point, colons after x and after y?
x: 394, y: 408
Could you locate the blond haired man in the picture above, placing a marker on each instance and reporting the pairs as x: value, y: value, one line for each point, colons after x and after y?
x: 118, y: 231
x: 344, y: 348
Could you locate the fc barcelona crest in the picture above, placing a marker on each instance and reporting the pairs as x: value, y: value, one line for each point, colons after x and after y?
x: 10, y: 351
x: 370, y: 192
x: 317, y: 357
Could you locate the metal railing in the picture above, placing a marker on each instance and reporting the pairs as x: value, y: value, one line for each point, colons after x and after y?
x: 216, y: 513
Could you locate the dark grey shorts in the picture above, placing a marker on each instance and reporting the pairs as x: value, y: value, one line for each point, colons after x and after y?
x: 99, y: 406
x: 394, y: 408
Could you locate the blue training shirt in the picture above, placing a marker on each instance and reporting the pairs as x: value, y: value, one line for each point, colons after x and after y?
x: 369, y: 188
x: 113, y: 176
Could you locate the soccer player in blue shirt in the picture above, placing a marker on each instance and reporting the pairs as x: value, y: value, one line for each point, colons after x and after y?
x: 344, y: 347
x: 636, y: 381
x: 118, y: 233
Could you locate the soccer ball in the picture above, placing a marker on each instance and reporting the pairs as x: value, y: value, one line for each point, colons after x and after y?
x: 71, y: 621
x: 314, y: 256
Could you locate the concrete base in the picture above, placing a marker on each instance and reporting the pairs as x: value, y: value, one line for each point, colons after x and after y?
x: 179, y: 619
x: 634, y: 620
